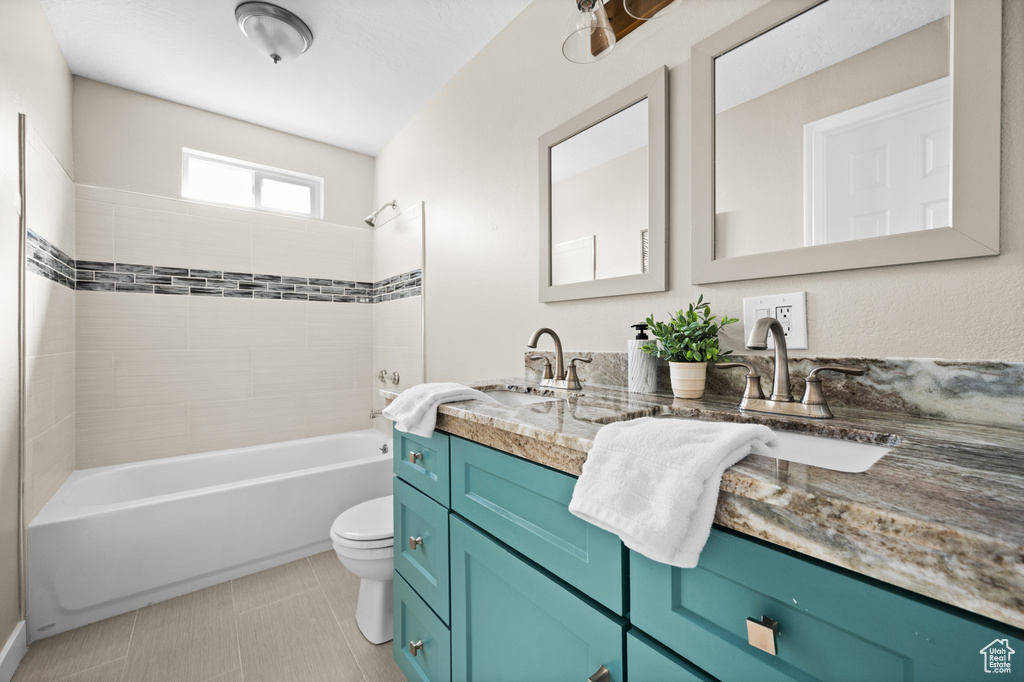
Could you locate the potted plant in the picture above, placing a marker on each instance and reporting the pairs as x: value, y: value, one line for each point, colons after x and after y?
x: 688, y: 341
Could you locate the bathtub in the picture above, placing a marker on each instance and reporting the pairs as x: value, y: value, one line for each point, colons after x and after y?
x: 114, y: 539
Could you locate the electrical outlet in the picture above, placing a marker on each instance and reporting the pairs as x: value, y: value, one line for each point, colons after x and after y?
x: 789, y: 309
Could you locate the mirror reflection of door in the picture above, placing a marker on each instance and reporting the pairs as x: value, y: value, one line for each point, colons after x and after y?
x: 599, y: 199
x: 850, y: 72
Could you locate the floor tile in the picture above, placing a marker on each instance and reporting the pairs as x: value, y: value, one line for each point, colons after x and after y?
x: 77, y: 650
x: 340, y: 586
x: 376, y: 661
x: 108, y: 672
x: 295, y: 639
x: 233, y: 676
x: 275, y: 584
x: 191, y: 637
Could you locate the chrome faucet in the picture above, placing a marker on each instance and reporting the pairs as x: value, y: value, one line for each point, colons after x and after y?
x: 812, y: 405
x: 560, y: 378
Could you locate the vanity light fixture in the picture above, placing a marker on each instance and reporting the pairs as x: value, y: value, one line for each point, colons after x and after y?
x: 273, y: 30
x: 589, y: 36
x: 645, y: 10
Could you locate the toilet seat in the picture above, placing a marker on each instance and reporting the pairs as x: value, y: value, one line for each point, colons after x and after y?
x: 369, y: 525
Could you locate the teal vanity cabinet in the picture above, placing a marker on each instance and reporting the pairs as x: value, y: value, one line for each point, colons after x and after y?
x: 832, y: 624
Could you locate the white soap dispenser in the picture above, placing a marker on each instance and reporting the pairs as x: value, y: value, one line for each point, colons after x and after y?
x: 642, y: 369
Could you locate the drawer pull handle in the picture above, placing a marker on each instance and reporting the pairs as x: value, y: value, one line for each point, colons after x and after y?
x: 761, y: 634
x: 415, y: 541
x: 415, y: 457
x: 415, y: 646
x: 602, y: 675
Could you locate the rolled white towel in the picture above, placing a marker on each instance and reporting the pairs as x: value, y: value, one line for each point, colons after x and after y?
x: 654, y: 482
x: 415, y: 409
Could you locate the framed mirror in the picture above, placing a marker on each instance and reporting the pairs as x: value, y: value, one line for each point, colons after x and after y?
x: 603, y: 206
x: 840, y: 134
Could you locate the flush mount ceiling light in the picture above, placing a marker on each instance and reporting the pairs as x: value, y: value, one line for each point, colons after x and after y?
x: 274, y: 31
x: 589, y: 36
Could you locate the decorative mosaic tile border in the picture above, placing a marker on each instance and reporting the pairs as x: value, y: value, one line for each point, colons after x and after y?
x: 45, y: 259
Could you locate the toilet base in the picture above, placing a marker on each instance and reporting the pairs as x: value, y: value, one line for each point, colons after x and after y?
x: 374, y: 614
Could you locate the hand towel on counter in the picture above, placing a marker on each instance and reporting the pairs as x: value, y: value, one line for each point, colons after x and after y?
x: 415, y: 409
x: 654, y: 482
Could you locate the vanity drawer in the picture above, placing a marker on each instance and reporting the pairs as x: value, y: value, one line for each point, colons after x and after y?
x: 421, y: 546
x: 423, y: 463
x: 416, y: 624
x: 648, y: 661
x: 832, y: 625
x: 526, y: 506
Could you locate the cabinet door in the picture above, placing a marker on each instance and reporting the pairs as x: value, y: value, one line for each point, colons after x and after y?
x: 423, y: 463
x: 421, y: 546
x: 510, y: 621
x: 422, y: 644
x: 648, y: 661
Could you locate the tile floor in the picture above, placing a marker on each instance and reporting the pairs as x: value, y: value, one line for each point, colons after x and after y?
x: 293, y: 623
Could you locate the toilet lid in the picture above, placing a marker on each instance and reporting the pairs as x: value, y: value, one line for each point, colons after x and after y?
x: 372, y: 520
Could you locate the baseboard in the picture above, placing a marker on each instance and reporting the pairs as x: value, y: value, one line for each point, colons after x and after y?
x: 14, y: 651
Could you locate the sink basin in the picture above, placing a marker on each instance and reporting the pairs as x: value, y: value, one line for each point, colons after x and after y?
x: 513, y: 398
x: 828, y: 453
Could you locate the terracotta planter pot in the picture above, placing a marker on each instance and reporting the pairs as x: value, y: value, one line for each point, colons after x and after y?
x: 688, y: 378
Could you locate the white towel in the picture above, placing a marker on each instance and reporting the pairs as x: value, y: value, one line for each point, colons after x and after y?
x: 654, y: 482
x: 415, y: 409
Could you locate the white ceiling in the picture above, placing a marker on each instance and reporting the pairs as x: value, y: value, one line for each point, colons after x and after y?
x: 372, y: 66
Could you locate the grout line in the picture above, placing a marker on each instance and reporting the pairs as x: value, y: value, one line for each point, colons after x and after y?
x: 128, y: 651
x: 276, y: 601
x: 100, y: 665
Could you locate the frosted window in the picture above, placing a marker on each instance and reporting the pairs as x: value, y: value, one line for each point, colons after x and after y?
x: 284, y: 196
x: 212, y: 181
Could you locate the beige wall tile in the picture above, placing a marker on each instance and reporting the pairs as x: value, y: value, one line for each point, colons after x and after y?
x: 242, y: 323
x: 94, y: 380
x: 49, y: 317
x: 280, y: 371
x: 177, y: 376
x: 236, y: 423
x: 398, y: 245
x: 76, y: 650
x: 40, y: 395
x: 337, y: 412
x: 53, y: 459
x: 94, y: 230
x: 398, y: 324
x: 132, y: 199
x: 275, y: 584
x: 49, y: 197
x: 152, y: 237
x: 110, y: 321
x: 130, y: 434
x: 309, y: 254
x: 339, y: 325
x: 295, y: 639
x: 191, y: 637
x: 406, y: 361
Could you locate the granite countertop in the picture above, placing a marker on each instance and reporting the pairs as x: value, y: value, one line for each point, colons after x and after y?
x: 942, y: 514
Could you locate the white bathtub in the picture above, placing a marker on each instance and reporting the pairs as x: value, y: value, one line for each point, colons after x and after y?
x: 114, y: 539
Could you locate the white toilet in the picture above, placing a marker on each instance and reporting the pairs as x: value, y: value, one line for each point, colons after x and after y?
x: 364, y: 541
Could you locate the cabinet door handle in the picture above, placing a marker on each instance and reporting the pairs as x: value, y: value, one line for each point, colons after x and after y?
x: 415, y: 541
x: 415, y: 457
x: 415, y: 646
x: 602, y: 675
x: 761, y: 634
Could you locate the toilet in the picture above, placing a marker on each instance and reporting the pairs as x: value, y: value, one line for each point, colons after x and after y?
x: 364, y: 541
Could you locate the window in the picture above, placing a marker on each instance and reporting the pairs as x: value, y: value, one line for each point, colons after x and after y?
x: 221, y: 180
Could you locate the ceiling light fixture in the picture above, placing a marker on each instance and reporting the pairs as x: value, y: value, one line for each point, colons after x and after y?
x: 647, y: 9
x: 589, y: 36
x: 273, y: 30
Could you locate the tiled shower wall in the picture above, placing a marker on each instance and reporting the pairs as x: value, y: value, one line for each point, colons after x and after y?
x: 49, y: 333
x: 181, y: 363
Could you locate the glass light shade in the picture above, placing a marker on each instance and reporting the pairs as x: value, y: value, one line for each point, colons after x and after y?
x: 641, y: 9
x: 589, y: 36
x: 274, y: 31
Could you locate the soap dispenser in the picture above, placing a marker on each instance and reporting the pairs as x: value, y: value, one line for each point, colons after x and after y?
x: 642, y: 369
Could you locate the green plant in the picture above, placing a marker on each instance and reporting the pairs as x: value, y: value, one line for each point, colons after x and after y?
x: 689, y: 336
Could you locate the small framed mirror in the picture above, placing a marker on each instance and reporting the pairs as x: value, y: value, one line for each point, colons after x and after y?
x: 603, y: 206
x: 839, y: 134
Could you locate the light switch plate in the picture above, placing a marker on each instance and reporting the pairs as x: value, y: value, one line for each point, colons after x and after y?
x: 789, y: 309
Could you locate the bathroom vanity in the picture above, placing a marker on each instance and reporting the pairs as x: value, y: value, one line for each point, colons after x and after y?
x: 888, y: 574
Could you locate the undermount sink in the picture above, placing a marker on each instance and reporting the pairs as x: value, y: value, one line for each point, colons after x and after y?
x: 514, y: 398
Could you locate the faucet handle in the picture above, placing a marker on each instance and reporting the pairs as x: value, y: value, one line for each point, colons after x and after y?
x: 813, y: 395
x: 753, y: 387
x: 572, y: 380
x: 547, y: 366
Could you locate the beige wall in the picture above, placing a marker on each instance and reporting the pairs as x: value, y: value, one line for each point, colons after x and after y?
x: 160, y: 375
x: 35, y: 80
x: 129, y: 141
x: 759, y: 145
x: 471, y: 154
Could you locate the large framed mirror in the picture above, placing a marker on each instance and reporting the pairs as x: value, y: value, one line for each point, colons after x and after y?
x: 840, y: 134
x: 603, y: 205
